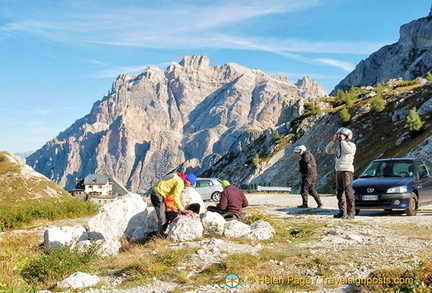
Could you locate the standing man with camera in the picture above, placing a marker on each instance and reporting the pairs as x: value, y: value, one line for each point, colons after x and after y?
x: 307, y: 166
x: 344, y: 149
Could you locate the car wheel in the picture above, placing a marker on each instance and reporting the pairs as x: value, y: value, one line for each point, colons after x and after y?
x: 216, y: 196
x: 413, y: 205
x: 357, y: 212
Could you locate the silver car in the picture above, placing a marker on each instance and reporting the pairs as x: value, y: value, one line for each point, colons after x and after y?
x: 209, y: 188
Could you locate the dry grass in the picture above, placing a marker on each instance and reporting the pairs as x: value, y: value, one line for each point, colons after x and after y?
x: 15, y: 251
x: 294, y: 252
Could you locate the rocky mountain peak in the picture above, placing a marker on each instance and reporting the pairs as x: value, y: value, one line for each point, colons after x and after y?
x: 195, y: 62
x: 188, y: 115
x: 309, y: 86
x: 409, y: 58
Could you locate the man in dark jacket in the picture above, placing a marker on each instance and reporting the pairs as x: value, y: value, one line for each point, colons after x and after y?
x: 309, y: 176
x: 231, y: 202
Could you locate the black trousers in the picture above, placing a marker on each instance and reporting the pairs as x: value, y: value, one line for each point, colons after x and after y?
x: 308, y: 188
x: 345, y: 193
x: 158, y: 203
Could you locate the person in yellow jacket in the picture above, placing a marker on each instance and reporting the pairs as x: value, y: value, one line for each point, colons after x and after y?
x: 167, y: 195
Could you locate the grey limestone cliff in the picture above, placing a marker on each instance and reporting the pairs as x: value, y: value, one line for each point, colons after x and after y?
x: 409, y: 58
x: 189, y: 115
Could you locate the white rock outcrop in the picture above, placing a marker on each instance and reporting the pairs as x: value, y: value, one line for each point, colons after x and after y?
x: 187, y: 228
x: 190, y: 196
x: 236, y: 229
x: 261, y: 230
x: 213, y: 223
x: 120, y: 217
x: 57, y: 236
x: 79, y: 280
x: 128, y: 218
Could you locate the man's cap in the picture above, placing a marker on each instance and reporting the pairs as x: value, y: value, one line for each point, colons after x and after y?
x: 225, y: 183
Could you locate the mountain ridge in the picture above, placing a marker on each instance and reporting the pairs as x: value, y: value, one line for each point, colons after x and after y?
x: 190, y: 114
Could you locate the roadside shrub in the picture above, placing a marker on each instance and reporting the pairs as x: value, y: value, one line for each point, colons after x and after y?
x: 413, y: 121
x: 16, y: 215
x: 47, y: 269
x: 378, y: 103
x: 429, y: 77
x: 342, y: 97
x: 2, y: 158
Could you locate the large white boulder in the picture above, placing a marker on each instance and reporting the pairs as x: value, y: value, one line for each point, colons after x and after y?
x: 185, y: 228
x: 190, y: 195
x: 236, y: 229
x: 213, y: 223
x: 261, y: 230
x: 120, y: 217
x: 57, y: 236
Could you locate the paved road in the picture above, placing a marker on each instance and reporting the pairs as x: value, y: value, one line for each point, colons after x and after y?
x: 288, y: 200
x: 291, y: 201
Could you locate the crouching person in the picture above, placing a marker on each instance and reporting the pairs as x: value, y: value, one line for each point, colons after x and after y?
x: 231, y: 203
x: 167, y: 199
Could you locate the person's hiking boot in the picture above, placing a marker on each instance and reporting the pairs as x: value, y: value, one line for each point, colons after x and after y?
x: 337, y: 216
x: 348, y: 217
x: 303, y: 206
x: 319, y: 205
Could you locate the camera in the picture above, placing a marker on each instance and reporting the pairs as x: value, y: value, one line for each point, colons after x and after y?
x: 339, y: 136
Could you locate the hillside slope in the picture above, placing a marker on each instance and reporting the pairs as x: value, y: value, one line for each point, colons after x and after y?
x: 19, y: 182
x: 376, y: 134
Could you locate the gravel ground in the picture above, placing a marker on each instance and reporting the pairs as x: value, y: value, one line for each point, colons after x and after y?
x: 369, y: 230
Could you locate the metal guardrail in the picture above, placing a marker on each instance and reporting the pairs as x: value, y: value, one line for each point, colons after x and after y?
x: 273, y: 188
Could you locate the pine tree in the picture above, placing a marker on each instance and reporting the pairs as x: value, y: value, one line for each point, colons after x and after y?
x: 378, y: 103
x: 429, y: 77
x: 256, y: 160
x: 345, y: 115
x: 413, y: 121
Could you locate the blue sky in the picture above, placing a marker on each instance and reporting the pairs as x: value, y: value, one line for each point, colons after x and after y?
x: 59, y: 57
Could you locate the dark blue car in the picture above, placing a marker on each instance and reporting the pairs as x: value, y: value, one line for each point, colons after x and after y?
x: 394, y: 184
